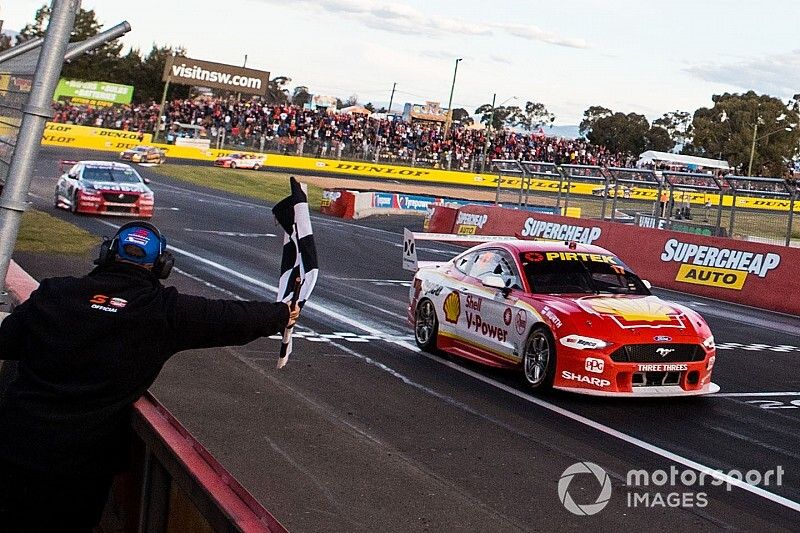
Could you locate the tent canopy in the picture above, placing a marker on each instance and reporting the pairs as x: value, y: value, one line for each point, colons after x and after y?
x: 652, y: 156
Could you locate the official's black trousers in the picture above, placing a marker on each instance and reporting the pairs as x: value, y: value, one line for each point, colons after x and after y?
x: 35, y: 502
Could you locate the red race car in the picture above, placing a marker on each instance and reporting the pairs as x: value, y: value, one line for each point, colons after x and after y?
x: 569, y: 316
x: 103, y: 188
x: 250, y: 161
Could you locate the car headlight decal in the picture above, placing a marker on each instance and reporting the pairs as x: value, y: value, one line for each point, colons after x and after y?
x: 579, y: 342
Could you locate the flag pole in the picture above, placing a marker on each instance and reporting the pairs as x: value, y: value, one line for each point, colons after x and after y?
x: 286, y: 343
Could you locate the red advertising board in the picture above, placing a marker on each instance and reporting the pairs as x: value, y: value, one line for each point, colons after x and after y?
x: 338, y: 203
x: 750, y: 273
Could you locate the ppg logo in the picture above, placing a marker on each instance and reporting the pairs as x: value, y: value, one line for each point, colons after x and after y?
x: 594, y: 365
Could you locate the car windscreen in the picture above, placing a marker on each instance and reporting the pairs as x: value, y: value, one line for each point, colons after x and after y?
x: 582, y: 273
x: 112, y: 174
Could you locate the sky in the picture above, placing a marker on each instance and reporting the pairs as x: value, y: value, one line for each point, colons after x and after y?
x: 642, y: 56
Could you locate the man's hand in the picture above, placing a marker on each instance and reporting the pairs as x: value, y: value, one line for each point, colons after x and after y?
x: 294, y: 313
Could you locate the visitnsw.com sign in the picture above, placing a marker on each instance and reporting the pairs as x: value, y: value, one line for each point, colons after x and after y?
x: 187, y: 71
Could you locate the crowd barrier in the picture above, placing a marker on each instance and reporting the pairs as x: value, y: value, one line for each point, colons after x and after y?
x: 173, y: 483
x: 72, y: 136
x: 359, y: 204
x: 748, y: 273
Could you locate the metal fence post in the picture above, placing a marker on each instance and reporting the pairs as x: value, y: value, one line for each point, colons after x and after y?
x: 792, y: 197
x: 34, y: 116
x: 733, y: 214
x: 719, y: 214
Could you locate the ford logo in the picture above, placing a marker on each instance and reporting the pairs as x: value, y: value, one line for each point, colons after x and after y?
x: 662, y: 338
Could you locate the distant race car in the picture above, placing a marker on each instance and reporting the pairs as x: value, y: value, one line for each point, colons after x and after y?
x: 143, y: 154
x: 620, y: 191
x: 569, y: 316
x: 240, y: 161
x: 103, y: 188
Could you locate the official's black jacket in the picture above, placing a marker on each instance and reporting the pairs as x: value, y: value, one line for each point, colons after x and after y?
x: 89, y: 347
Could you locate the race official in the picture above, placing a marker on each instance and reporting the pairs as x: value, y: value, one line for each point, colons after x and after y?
x: 88, y: 347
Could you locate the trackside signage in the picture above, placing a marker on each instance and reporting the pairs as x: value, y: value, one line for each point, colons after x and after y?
x: 750, y: 273
x: 717, y: 267
x: 187, y: 71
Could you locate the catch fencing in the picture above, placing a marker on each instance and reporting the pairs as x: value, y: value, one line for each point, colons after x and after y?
x: 744, y: 207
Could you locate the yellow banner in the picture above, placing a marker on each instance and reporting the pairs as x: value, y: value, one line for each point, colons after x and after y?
x: 711, y: 276
x: 69, y: 135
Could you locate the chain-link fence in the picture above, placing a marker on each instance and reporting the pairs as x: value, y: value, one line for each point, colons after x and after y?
x: 13, y: 95
x: 757, y: 209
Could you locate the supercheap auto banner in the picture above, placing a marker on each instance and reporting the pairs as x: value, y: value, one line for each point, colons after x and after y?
x: 114, y: 140
x: 749, y: 273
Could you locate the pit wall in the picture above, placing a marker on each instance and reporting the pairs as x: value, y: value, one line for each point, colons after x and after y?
x: 72, y: 136
x: 748, y: 273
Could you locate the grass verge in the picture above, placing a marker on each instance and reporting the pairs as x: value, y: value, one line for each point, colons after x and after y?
x: 269, y: 186
x: 40, y: 232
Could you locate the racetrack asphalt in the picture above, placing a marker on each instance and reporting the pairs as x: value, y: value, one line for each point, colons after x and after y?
x: 361, y: 432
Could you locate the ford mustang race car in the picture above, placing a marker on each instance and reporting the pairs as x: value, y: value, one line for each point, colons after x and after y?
x: 569, y: 316
x: 143, y: 154
x: 239, y: 161
x: 103, y: 188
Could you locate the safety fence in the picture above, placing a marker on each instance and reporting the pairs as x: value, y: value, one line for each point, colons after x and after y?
x: 745, y: 207
x: 748, y: 273
x: 172, y: 483
x: 13, y: 95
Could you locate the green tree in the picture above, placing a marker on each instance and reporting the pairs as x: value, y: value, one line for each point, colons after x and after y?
x: 300, y: 95
x: 277, y: 93
x: 5, y: 42
x: 534, y: 116
x: 462, y: 116
x: 659, y: 139
x: 502, y: 115
x: 94, y: 64
x: 351, y: 100
x: 591, y: 116
x: 727, y: 129
x: 678, y: 125
x: 621, y: 133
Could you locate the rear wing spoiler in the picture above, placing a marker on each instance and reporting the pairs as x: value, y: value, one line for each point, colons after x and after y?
x: 65, y: 164
x: 410, y: 239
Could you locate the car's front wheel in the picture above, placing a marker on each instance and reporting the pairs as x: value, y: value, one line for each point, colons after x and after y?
x: 256, y: 166
x: 55, y: 198
x: 233, y: 165
x: 426, y: 326
x: 539, y: 359
x: 74, y: 205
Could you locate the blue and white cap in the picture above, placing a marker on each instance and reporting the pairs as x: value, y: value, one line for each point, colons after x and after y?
x: 140, y: 244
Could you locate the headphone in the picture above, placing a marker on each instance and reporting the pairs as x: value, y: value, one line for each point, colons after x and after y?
x: 109, y: 249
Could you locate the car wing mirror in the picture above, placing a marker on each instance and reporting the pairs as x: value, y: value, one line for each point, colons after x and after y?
x: 146, y: 181
x: 496, y: 282
x: 647, y: 284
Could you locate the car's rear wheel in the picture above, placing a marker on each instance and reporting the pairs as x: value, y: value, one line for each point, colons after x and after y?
x: 233, y: 165
x: 539, y: 359
x: 426, y: 326
x: 55, y: 198
x: 256, y: 167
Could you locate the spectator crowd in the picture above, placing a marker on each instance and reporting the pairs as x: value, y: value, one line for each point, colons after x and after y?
x: 254, y: 125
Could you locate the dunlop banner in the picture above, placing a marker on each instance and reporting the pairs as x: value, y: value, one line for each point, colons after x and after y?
x: 748, y: 273
x: 88, y: 137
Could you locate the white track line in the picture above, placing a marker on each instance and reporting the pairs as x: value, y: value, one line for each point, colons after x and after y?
x: 758, y: 491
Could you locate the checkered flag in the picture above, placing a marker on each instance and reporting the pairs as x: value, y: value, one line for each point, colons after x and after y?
x: 299, y: 261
